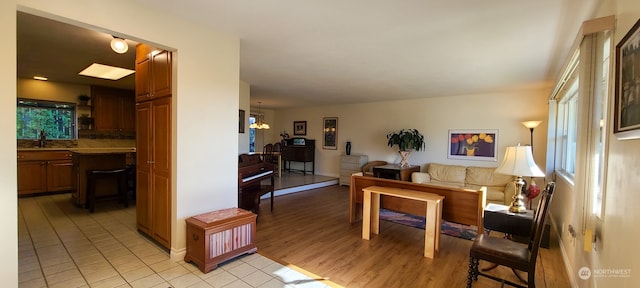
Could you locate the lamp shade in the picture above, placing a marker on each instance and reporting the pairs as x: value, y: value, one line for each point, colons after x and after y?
x: 531, y: 124
x: 518, y: 161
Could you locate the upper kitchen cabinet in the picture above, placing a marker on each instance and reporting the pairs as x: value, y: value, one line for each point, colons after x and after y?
x: 153, y: 73
x: 113, y: 109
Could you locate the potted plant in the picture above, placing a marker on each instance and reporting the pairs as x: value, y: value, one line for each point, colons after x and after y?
x: 84, y: 99
x: 407, y: 141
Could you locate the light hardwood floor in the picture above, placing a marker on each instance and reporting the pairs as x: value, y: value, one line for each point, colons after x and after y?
x: 311, y: 230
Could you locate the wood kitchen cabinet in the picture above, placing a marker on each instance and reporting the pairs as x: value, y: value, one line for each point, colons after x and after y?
x: 153, y: 143
x: 153, y: 73
x: 153, y: 169
x: 113, y: 109
x: 44, y: 171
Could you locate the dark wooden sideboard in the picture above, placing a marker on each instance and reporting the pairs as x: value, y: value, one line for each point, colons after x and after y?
x: 299, y: 150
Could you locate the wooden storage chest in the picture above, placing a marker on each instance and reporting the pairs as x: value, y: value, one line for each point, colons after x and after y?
x: 218, y: 236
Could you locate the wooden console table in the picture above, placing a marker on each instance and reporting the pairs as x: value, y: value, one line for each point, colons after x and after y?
x: 395, y: 172
x: 299, y: 150
x: 218, y: 236
x: 371, y: 214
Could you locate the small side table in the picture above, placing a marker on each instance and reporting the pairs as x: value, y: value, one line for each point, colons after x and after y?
x: 498, y: 218
x: 395, y: 172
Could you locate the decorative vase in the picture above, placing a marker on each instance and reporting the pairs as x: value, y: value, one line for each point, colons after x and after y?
x: 348, y: 148
x: 404, y: 161
x: 534, y: 191
x: 471, y: 151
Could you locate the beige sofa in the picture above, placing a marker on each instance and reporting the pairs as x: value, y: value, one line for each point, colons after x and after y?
x: 500, y: 187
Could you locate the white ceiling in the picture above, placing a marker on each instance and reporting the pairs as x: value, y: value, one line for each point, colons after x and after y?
x: 319, y: 52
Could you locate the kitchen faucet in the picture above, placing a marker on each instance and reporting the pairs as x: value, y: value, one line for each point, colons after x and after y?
x: 43, y: 139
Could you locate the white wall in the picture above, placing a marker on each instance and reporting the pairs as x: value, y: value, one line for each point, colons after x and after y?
x: 245, y: 96
x: 8, y: 176
x: 367, y: 124
x: 206, y: 91
x: 52, y: 91
x: 619, y: 242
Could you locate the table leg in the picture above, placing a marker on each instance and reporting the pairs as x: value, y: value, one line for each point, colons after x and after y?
x: 366, y: 214
x: 280, y: 165
x: 431, y: 240
x: 375, y: 213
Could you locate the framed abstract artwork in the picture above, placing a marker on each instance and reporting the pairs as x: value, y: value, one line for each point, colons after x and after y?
x: 330, y: 133
x: 627, y: 91
x: 477, y: 144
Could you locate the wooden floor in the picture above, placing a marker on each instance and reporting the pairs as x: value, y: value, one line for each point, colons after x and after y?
x: 311, y: 230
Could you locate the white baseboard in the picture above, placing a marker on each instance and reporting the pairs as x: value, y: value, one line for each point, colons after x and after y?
x: 565, y: 258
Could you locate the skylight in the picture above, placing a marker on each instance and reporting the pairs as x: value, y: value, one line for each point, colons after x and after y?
x: 106, y: 72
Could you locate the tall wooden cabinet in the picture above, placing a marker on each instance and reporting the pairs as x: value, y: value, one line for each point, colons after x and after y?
x: 153, y: 158
x: 153, y: 73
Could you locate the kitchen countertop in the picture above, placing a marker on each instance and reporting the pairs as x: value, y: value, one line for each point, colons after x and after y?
x: 103, y: 150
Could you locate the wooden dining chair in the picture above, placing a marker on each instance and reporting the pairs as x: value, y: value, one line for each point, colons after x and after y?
x: 267, y: 153
x: 510, y: 254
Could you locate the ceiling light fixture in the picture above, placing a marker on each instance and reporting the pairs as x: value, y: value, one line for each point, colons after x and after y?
x: 119, y: 45
x: 259, y: 124
x: 106, y: 72
x: 40, y: 78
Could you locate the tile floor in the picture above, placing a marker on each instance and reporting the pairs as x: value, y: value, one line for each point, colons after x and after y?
x: 61, y: 245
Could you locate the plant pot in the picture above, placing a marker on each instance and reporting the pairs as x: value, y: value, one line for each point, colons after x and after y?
x: 404, y: 161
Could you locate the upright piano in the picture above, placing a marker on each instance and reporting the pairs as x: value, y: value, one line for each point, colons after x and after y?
x: 251, y: 173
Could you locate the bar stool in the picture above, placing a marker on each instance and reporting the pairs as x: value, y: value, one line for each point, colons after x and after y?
x: 119, y: 175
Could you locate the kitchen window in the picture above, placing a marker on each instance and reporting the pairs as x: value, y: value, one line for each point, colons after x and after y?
x: 55, y: 119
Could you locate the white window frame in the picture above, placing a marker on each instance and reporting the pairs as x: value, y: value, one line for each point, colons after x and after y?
x: 567, y: 129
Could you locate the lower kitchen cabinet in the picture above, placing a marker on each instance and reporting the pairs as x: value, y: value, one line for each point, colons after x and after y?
x: 44, y: 171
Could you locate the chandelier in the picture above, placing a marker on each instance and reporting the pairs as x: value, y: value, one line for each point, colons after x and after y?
x: 259, y: 124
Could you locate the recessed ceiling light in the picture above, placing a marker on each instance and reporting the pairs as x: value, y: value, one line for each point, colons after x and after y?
x: 106, y: 72
x: 119, y: 45
x: 40, y: 78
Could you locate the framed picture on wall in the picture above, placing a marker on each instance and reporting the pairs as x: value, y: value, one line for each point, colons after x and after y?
x: 241, y: 121
x: 330, y: 133
x: 627, y: 92
x: 299, y: 127
x: 477, y: 144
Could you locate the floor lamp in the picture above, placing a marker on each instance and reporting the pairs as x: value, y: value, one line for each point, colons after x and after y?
x: 531, y: 125
x: 534, y: 190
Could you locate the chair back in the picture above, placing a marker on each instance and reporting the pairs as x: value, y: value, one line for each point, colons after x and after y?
x: 277, y: 147
x: 267, y: 153
x: 538, y: 221
x: 267, y: 149
x: 367, y: 169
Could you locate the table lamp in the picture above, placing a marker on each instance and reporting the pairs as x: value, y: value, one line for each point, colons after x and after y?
x: 518, y: 161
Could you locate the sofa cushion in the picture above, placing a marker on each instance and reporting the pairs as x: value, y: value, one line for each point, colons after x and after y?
x: 485, y: 176
x: 451, y: 175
